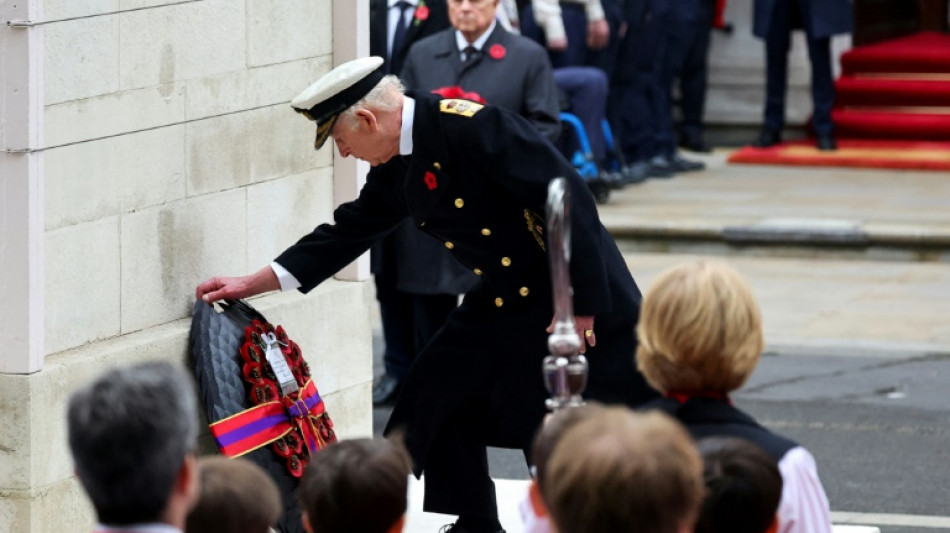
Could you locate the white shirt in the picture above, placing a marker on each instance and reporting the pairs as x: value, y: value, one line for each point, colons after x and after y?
x: 138, y: 528
x: 394, y: 18
x: 804, y: 506
x: 479, y: 43
x: 287, y: 280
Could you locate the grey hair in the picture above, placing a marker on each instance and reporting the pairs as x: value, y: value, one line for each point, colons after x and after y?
x: 129, y: 432
x: 386, y: 96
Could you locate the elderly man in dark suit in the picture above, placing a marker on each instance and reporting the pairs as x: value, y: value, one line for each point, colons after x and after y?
x: 409, y: 315
x: 479, y: 55
x: 774, y: 21
x: 475, y: 178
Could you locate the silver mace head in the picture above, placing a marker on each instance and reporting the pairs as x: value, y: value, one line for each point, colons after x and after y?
x: 565, y: 370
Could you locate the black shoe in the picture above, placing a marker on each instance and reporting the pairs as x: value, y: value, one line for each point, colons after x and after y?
x: 660, y: 167
x: 455, y: 528
x: 386, y: 390
x: 635, y: 173
x: 680, y: 164
x: 769, y: 137
x: 826, y: 143
x: 694, y: 144
x: 612, y: 180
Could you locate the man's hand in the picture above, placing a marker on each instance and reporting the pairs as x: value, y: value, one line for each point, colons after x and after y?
x: 216, y: 289
x: 585, y: 330
x: 557, y: 45
x: 598, y: 34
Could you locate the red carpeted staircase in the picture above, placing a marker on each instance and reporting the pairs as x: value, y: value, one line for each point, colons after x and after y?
x: 897, y: 89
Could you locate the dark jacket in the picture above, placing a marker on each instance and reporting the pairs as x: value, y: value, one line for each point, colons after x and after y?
x: 825, y: 17
x: 517, y: 77
x: 437, y: 20
x: 478, y: 184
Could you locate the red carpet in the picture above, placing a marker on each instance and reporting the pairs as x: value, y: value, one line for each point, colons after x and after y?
x: 851, y: 153
x: 925, y: 52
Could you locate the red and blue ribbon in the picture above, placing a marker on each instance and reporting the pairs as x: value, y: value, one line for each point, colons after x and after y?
x: 265, y: 423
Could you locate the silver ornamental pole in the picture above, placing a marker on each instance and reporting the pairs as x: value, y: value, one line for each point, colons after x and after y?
x: 565, y: 370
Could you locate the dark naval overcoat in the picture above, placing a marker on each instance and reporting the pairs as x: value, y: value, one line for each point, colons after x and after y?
x: 819, y: 18
x: 477, y: 181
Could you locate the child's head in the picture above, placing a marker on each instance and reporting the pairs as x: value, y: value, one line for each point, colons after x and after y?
x: 356, y: 485
x: 618, y: 470
x: 234, y: 495
x: 700, y: 329
x: 743, y: 487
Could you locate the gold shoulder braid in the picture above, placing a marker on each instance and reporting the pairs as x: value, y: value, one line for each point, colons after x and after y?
x: 460, y: 107
x: 535, y: 226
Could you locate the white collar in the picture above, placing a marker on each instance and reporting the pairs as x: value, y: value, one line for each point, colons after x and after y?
x: 140, y: 528
x: 479, y: 43
x: 413, y: 3
x: 408, y: 116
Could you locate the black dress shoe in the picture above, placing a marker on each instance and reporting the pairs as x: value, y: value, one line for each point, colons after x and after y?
x: 680, y: 164
x: 635, y: 173
x: 386, y: 390
x: 660, y: 167
x: 455, y: 528
x: 769, y: 137
x: 826, y: 143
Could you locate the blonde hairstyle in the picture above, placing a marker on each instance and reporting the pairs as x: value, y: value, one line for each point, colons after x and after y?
x: 624, y: 471
x: 700, y: 329
x: 386, y: 96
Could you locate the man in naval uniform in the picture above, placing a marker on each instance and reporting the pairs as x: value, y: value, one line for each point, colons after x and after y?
x: 475, y: 177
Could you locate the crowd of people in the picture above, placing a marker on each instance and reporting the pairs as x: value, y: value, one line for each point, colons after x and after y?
x: 689, y: 461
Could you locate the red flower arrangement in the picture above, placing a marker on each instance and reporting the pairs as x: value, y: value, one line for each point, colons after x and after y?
x: 497, y: 51
x: 430, y: 180
x: 422, y: 13
x: 455, y: 91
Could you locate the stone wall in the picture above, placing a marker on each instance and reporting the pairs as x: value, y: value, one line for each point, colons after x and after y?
x: 170, y: 155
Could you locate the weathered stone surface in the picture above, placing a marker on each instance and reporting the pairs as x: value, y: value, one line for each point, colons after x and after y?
x: 280, y: 143
x: 113, y: 114
x: 62, y: 507
x: 116, y: 175
x: 181, y: 42
x: 168, y: 250
x: 63, y: 9
x: 82, y: 284
x: 82, y: 58
x: 217, y: 153
x: 281, y: 211
x: 285, y: 30
x: 254, y: 87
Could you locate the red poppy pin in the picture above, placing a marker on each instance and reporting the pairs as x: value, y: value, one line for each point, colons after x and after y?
x: 497, y: 51
x: 431, y: 183
x: 422, y: 13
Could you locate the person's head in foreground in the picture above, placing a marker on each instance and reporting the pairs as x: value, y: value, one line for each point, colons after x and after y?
x: 743, y: 487
x: 618, y: 470
x: 356, y: 485
x: 700, y: 330
x: 132, y: 434
x: 235, y: 495
x: 544, y: 442
x: 359, y: 106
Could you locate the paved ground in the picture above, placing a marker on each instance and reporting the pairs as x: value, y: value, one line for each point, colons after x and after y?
x: 858, y: 334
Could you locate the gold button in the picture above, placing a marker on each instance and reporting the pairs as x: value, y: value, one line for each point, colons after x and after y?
x: 499, y: 302
x: 449, y: 245
x: 437, y: 165
x: 478, y: 271
x: 422, y: 224
x: 486, y: 232
x: 523, y: 291
x: 459, y: 203
x: 505, y: 261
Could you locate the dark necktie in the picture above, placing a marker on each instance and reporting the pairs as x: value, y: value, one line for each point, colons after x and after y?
x: 399, y: 34
x: 469, y: 54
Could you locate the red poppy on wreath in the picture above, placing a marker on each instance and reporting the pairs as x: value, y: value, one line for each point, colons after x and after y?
x: 497, y: 51
x: 422, y: 13
x: 430, y: 181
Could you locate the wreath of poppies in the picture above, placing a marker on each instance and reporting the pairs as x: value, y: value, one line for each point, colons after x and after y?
x: 263, y: 388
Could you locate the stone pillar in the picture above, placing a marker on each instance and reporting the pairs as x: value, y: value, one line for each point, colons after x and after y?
x: 21, y: 188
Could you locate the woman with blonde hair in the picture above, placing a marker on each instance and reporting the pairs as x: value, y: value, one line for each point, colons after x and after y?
x: 700, y: 335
